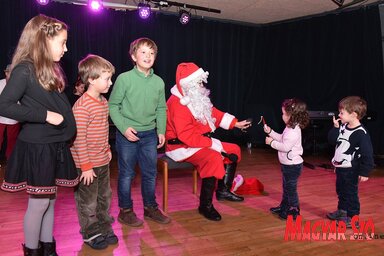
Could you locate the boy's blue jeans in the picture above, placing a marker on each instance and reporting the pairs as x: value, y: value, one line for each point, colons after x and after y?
x: 347, y: 189
x: 143, y: 152
x: 291, y: 174
x: 93, y: 202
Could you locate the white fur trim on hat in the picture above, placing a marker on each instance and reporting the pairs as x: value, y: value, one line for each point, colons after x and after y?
x: 185, y: 100
x: 198, y: 73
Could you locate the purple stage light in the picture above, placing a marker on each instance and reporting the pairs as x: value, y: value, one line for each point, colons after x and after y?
x: 95, y: 5
x: 144, y: 10
x: 42, y: 2
x: 185, y: 17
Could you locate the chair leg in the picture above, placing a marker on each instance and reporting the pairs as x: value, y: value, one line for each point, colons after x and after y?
x: 194, y: 189
x: 165, y: 189
x: 163, y: 167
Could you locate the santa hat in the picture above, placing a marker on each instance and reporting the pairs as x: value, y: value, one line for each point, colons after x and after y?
x: 187, y: 73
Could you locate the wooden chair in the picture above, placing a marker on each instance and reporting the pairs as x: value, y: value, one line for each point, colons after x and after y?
x: 164, y: 165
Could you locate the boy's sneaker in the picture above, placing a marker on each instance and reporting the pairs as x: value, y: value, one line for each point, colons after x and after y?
x: 96, y: 242
x: 294, y: 211
x: 336, y: 215
x: 128, y: 217
x: 110, y: 219
x: 111, y: 238
x: 276, y: 210
x: 155, y: 214
x: 348, y: 222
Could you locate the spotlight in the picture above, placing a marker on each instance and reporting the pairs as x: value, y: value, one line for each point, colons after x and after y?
x: 42, y: 2
x: 184, y: 17
x: 144, y: 10
x: 338, y: 2
x: 95, y: 5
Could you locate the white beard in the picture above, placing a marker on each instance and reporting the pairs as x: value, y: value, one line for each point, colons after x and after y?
x: 200, y: 102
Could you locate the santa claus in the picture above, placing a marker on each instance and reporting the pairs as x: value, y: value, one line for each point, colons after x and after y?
x: 191, y: 120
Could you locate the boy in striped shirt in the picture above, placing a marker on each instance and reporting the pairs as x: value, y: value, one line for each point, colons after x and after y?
x: 92, y: 154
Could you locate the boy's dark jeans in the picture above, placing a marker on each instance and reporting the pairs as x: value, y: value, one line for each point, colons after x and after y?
x: 144, y: 153
x: 347, y: 180
x: 291, y: 174
x: 93, y: 203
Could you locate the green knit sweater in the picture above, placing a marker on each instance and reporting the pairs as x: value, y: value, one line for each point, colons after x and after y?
x: 138, y: 101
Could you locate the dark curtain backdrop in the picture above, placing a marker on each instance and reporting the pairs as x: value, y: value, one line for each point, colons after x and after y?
x: 252, y: 69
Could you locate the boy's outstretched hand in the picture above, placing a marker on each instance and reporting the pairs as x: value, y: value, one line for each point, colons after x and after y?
x: 161, y: 140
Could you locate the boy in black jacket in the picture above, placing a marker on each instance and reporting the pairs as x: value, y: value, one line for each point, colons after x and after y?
x: 353, y: 159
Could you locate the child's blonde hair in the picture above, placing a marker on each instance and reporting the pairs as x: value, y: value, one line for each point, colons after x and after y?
x: 297, y: 110
x: 33, y: 47
x: 354, y: 104
x: 92, y: 66
x: 139, y: 42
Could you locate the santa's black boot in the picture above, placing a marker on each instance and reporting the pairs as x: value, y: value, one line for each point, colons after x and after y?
x: 206, y: 207
x: 223, y: 191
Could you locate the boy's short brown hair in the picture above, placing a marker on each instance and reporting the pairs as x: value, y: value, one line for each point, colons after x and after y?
x: 92, y: 66
x: 142, y: 41
x: 354, y: 104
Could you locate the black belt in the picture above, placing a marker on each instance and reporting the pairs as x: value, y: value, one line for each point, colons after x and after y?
x: 176, y: 141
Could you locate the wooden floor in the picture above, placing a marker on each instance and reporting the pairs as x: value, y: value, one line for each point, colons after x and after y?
x: 247, y: 228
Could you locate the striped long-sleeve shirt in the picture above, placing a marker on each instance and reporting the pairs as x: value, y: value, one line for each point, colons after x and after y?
x: 91, y: 148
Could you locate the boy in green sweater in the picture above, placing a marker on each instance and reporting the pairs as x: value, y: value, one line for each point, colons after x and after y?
x: 137, y: 107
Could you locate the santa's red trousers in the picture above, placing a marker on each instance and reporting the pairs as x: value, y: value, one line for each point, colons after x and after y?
x: 209, y: 162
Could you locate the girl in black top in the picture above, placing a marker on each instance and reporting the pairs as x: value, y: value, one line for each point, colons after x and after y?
x: 41, y: 159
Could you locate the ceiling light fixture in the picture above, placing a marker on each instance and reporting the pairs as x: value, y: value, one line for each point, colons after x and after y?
x: 184, y: 17
x: 182, y: 5
x: 42, y: 2
x: 144, y: 10
x: 95, y: 5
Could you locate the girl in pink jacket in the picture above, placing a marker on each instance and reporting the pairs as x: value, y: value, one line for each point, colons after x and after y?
x: 288, y: 144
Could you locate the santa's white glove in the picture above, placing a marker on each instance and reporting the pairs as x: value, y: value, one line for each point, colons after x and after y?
x: 216, y: 145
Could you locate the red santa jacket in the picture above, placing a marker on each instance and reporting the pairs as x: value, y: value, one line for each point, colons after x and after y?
x: 181, y: 124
